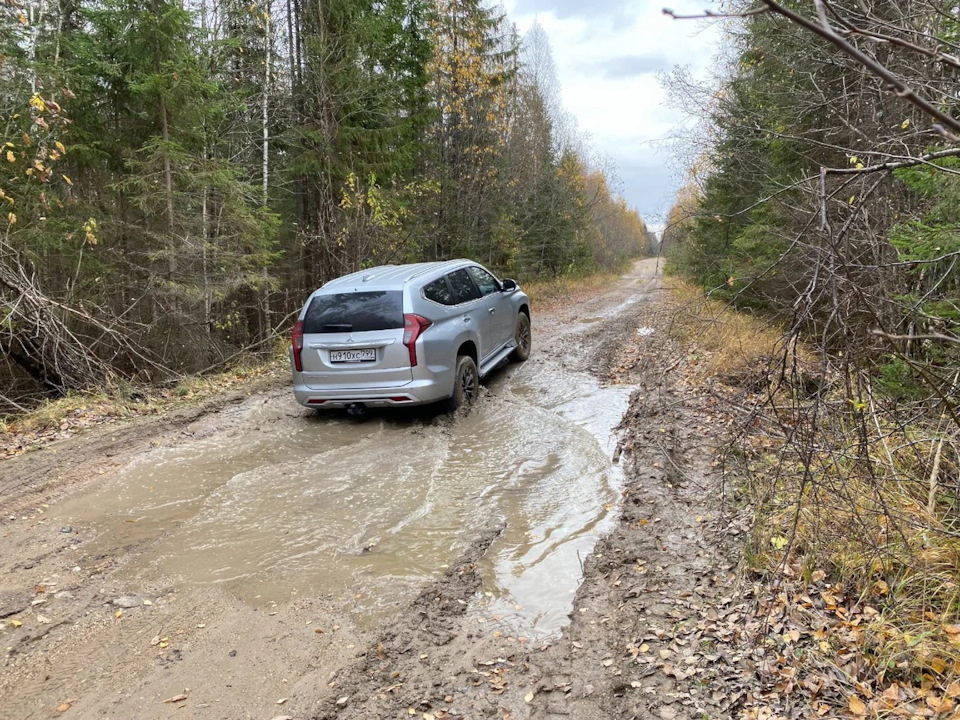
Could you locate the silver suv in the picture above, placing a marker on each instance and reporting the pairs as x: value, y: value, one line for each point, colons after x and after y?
x: 406, y: 335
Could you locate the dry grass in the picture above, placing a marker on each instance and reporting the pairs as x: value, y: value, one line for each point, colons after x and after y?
x: 849, y: 494
x: 731, y: 345
x: 547, y: 294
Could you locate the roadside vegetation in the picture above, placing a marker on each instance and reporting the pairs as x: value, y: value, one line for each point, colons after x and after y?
x: 823, y: 200
x: 55, y: 418
x: 176, y: 177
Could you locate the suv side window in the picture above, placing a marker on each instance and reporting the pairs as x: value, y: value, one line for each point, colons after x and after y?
x: 484, y: 280
x: 463, y: 288
x: 439, y: 292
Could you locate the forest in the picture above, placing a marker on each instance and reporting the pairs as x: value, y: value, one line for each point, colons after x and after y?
x: 177, y: 176
x: 823, y: 196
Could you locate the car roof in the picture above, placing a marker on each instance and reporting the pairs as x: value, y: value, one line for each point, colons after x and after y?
x: 393, y: 276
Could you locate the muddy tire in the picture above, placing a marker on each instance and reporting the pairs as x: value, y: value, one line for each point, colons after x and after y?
x: 466, y: 384
x: 524, y: 338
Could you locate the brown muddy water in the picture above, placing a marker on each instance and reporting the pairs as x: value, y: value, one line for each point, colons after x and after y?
x: 287, y: 504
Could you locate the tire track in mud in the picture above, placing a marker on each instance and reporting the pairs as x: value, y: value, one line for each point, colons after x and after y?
x: 648, y: 610
x: 379, y: 684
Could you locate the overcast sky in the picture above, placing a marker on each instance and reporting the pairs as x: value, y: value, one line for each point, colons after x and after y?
x: 608, y: 55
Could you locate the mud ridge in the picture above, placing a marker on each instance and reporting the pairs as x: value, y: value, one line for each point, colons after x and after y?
x: 377, y: 684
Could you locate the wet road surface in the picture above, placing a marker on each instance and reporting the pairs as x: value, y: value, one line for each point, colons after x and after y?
x: 288, y: 503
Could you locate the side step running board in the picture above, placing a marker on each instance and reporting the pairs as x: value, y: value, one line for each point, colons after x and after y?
x: 496, y: 360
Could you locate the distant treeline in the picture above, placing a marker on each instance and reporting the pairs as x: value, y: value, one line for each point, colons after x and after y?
x: 176, y: 176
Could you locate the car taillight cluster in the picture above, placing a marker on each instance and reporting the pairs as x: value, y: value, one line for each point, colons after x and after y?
x: 413, y: 326
x: 296, y: 341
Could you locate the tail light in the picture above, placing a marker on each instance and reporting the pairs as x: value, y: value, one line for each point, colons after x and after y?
x: 296, y: 342
x: 413, y: 325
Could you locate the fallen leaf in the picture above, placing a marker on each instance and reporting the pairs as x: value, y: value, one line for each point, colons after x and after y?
x: 281, y: 701
x: 857, y: 706
x: 16, y: 623
x: 891, y: 696
x: 63, y: 707
x: 528, y: 697
x: 118, y: 614
x: 940, y: 705
x: 176, y: 698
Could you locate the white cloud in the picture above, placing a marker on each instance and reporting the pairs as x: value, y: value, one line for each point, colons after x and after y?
x: 608, y: 55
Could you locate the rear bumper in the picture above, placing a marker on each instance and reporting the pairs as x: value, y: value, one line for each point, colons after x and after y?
x: 418, y: 392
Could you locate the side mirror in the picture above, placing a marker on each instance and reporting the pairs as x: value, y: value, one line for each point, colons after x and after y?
x: 508, y: 285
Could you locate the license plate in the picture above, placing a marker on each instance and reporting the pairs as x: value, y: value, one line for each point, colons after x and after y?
x: 353, y: 356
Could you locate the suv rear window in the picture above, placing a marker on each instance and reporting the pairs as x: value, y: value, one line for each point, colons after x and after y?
x: 354, y: 312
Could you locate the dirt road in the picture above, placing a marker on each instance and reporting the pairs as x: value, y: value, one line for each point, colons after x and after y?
x: 253, y: 560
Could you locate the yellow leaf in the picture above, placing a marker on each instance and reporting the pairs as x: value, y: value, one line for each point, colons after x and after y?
x: 12, y: 219
x: 16, y: 623
x: 69, y: 181
x: 528, y: 697
x: 852, y: 198
x: 859, y: 166
x: 905, y: 124
x: 853, y: 160
x: 60, y: 146
x: 118, y: 614
x: 11, y: 157
x: 778, y: 541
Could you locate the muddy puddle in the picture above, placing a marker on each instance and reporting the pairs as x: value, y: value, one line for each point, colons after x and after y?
x: 289, y: 505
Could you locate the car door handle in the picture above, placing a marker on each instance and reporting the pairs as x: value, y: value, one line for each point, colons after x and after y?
x: 466, y: 318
